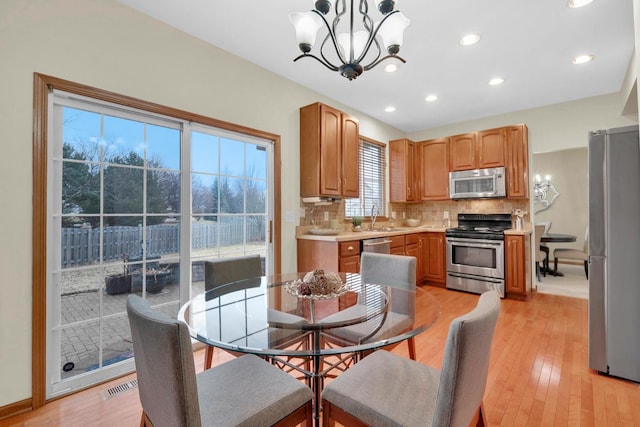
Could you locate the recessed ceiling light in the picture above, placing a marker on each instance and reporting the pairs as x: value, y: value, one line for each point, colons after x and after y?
x: 390, y: 68
x: 496, y: 81
x: 431, y: 98
x: 469, y: 39
x: 578, y: 3
x: 582, y: 59
x: 390, y: 109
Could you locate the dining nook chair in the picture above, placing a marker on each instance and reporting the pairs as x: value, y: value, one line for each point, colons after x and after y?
x: 397, y: 272
x: 222, y: 271
x: 245, y: 391
x: 573, y: 254
x: 385, y: 389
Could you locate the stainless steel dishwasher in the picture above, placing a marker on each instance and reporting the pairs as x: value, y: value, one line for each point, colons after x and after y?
x: 380, y: 245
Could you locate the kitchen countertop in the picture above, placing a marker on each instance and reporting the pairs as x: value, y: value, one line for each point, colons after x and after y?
x: 302, y: 232
x: 527, y: 229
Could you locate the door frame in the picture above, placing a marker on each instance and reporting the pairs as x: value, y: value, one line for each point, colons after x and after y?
x: 43, y: 85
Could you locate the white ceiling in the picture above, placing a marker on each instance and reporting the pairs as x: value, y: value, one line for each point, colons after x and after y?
x: 530, y: 43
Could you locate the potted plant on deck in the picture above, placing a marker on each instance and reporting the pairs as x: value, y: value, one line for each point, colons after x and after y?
x: 156, y: 280
x: 130, y: 280
x: 118, y: 283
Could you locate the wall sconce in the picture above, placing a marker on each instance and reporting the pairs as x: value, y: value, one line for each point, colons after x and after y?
x: 544, y: 193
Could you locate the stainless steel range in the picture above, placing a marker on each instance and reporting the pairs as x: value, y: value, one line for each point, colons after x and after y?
x: 475, y: 253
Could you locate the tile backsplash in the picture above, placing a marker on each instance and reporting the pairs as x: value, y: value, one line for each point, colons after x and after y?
x: 427, y: 212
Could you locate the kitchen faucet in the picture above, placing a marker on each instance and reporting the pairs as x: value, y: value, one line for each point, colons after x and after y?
x: 374, y: 215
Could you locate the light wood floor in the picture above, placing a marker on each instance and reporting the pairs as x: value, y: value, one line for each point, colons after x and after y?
x: 538, y: 374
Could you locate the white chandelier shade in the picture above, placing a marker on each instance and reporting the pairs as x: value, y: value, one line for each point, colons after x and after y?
x: 352, y: 42
x: 307, y: 25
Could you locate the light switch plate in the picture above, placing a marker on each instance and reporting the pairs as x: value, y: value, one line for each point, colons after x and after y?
x: 289, y: 216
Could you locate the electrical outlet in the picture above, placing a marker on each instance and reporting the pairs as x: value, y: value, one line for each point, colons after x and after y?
x: 326, y: 216
x: 303, y: 212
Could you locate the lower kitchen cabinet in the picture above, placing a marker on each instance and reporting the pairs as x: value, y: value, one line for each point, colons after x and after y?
x: 428, y: 248
x: 518, y: 266
x: 397, y: 245
x: 411, y: 243
x: 330, y: 256
x: 349, y: 257
x: 435, y: 255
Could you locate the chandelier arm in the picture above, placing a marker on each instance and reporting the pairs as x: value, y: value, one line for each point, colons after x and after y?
x: 374, y: 60
x: 331, y: 35
x: 325, y: 63
x: 367, y: 22
x: 372, y: 37
x: 373, y: 64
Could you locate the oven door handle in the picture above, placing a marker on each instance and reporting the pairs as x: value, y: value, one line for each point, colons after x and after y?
x: 472, y: 276
x: 476, y: 242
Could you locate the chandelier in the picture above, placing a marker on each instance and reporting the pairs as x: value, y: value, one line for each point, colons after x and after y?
x: 544, y: 193
x: 346, y: 49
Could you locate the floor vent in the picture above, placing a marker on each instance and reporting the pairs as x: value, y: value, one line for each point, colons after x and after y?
x: 119, y: 389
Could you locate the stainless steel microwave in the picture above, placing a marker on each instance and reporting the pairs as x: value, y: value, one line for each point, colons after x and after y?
x: 477, y: 183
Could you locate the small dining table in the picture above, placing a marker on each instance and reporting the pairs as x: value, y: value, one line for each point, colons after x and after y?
x: 554, y: 238
x: 267, y: 317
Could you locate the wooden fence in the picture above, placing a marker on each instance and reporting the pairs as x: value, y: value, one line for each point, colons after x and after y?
x: 81, y: 246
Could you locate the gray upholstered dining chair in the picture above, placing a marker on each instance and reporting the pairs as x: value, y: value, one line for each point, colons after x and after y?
x: 226, y: 270
x: 574, y: 254
x: 385, y: 389
x: 395, y: 271
x: 245, y: 391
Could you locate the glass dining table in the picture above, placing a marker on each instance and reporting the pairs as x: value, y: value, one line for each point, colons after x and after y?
x: 266, y: 316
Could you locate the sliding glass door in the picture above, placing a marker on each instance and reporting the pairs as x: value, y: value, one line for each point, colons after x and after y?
x: 137, y: 202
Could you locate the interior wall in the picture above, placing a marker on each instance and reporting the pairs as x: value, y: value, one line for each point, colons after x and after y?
x: 570, y: 211
x: 104, y: 44
x: 551, y: 128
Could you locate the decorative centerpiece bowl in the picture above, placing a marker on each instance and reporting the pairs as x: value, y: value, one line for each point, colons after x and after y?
x: 317, y: 284
x: 412, y: 222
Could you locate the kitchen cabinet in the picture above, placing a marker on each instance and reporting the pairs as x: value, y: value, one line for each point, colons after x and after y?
x: 433, y: 169
x: 427, y: 247
x: 517, y: 162
x: 402, y: 182
x: 462, y: 152
x: 349, y: 257
x: 329, y: 152
x: 411, y: 242
x: 397, y: 245
x: 518, y: 266
x: 328, y: 255
x: 434, y: 254
x: 477, y: 150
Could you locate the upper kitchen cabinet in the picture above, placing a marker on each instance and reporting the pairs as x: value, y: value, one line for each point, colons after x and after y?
x: 517, y: 162
x: 402, y: 182
x: 477, y: 150
x: 462, y: 152
x: 329, y: 153
x: 433, y: 167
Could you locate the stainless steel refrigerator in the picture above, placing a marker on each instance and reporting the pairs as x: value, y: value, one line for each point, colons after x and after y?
x: 614, y: 252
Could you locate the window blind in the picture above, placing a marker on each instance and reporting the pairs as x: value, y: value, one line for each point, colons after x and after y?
x: 372, y: 180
